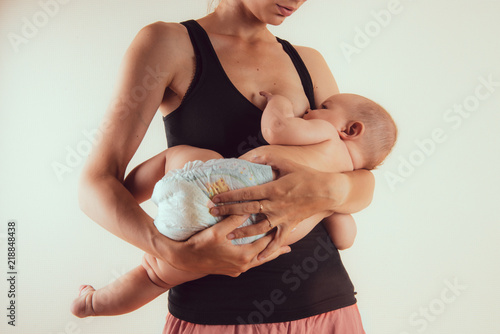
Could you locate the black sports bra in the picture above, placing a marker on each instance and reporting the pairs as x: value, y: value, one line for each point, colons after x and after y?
x: 214, y: 114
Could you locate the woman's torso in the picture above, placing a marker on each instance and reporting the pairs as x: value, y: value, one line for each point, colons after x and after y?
x: 311, y: 279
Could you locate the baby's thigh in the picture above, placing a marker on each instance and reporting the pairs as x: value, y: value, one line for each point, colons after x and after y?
x: 179, y: 155
x: 163, y: 274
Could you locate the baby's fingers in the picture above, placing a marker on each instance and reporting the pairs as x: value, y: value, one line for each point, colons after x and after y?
x: 265, y: 94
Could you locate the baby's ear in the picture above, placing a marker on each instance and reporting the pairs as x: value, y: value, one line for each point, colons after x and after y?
x: 352, y: 130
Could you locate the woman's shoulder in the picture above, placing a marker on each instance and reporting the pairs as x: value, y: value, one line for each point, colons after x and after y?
x: 163, y: 33
x: 163, y: 42
x: 323, y: 81
x: 310, y: 56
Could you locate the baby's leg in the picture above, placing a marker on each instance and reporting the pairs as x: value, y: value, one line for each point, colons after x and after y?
x: 128, y: 293
x: 178, y: 156
x: 164, y: 274
x: 342, y: 230
x: 141, y: 180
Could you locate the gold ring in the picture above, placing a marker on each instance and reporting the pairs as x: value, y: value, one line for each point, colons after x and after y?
x: 270, y: 224
x: 261, y: 207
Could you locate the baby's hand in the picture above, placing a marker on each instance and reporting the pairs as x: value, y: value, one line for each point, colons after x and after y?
x: 267, y: 95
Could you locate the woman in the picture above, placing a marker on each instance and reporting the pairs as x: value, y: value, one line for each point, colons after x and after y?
x: 205, y: 77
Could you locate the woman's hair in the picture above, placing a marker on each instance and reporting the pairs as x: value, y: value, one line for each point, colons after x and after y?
x: 380, y: 131
x: 212, y: 4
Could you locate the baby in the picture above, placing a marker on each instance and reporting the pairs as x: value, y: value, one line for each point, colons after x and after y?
x: 348, y: 132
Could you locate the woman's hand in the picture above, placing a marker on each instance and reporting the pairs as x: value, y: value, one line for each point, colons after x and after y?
x: 211, y: 252
x: 298, y: 193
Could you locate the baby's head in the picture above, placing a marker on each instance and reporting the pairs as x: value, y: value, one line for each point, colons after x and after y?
x: 366, y: 128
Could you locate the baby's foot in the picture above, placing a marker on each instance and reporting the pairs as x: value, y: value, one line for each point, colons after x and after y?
x: 82, y: 305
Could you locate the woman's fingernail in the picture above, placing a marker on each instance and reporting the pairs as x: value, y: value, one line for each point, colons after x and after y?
x: 214, y: 211
x: 216, y: 200
x: 230, y: 236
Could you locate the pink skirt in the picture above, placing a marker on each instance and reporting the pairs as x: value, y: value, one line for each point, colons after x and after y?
x: 342, y: 321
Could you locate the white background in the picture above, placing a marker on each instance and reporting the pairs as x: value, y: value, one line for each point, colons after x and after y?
x: 436, y: 225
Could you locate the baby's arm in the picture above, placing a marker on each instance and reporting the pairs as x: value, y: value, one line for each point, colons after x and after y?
x: 281, y: 127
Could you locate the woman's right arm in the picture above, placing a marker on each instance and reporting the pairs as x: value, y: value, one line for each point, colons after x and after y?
x: 144, y: 76
x: 151, y: 65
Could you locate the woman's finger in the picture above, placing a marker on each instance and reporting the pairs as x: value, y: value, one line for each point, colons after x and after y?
x: 261, y: 244
x: 251, y: 230
x: 242, y: 208
x: 229, y: 224
x: 235, y: 209
x: 280, y: 237
x: 283, y: 166
x: 253, y: 193
x: 280, y: 251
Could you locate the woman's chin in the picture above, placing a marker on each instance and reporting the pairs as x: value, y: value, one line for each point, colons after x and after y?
x: 276, y: 21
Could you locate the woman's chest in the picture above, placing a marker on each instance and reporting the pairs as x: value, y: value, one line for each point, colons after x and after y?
x: 255, y: 68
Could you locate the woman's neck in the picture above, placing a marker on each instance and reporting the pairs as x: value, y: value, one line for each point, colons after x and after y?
x: 231, y: 18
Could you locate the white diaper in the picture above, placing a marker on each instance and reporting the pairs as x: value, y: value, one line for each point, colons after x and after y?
x: 183, y: 196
